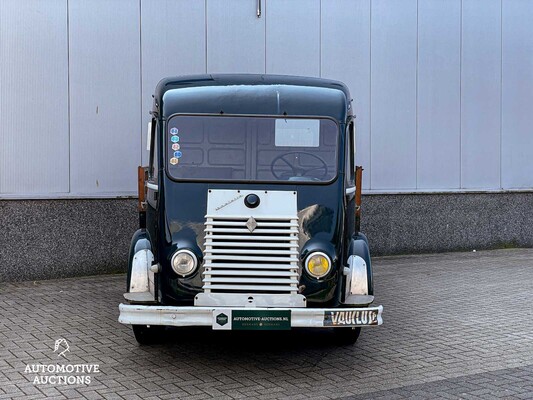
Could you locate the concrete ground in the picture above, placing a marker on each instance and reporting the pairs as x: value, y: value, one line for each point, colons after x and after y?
x: 456, y: 325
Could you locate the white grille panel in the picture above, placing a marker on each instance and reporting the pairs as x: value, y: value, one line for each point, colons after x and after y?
x: 237, y: 260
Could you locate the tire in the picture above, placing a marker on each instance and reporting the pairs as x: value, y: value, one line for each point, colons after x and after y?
x: 346, y: 336
x: 146, y: 335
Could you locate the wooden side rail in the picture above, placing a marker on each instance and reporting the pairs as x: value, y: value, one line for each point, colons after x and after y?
x: 358, y: 188
x: 142, y: 177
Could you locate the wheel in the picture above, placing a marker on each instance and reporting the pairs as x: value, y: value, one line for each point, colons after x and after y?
x: 148, y: 334
x: 346, y: 336
x: 297, y: 169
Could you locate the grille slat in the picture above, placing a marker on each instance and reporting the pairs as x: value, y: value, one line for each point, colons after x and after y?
x: 246, y: 231
x: 235, y: 266
x: 249, y: 251
x: 255, y: 280
x: 278, y: 224
x: 240, y: 272
x: 248, y: 288
x: 264, y: 260
x: 220, y: 244
x: 216, y: 257
x: 254, y: 238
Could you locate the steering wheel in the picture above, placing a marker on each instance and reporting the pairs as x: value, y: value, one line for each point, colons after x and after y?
x: 296, y: 168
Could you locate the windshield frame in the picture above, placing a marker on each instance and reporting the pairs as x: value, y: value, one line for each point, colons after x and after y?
x: 165, y: 134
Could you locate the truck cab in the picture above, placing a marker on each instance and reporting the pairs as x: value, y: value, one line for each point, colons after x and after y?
x: 249, y: 210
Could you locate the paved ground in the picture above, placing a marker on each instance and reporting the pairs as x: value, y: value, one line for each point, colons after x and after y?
x: 457, y: 325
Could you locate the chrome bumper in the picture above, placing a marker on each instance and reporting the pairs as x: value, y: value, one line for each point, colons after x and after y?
x: 207, y: 316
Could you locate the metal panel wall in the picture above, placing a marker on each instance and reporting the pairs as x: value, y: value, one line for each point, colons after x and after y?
x: 442, y: 88
x: 345, y: 55
x: 34, y: 144
x: 235, y: 37
x: 293, y: 37
x: 481, y: 94
x: 105, y: 96
x: 172, y: 43
x: 438, y: 94
x: 393, y: 88
x: 517, y: 94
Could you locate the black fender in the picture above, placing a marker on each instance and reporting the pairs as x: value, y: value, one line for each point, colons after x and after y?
x: 359, y: 247
x: 140, y: 241
x: 362, y: 236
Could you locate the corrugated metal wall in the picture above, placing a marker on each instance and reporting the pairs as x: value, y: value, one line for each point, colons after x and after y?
x: 443, y: 89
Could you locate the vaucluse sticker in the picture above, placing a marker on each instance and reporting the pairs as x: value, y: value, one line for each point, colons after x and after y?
x: 351, y: 318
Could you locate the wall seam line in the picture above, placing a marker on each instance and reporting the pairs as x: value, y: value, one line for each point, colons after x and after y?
x: 68, y: 101
x: 205, y: 34
x: 461, y: 98
x: 370, y: 91
x: 264, y: 38
x: 501, y: 93
x: 141, y: 79
x: 320, y: 39
x: 416, y: 96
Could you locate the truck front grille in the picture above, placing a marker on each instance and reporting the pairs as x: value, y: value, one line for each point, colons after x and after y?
x: 251, y: 255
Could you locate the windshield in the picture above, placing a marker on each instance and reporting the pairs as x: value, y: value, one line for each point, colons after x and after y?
x: 252, y: 148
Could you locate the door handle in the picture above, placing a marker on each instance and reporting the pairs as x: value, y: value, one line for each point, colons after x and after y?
x: 258, y: 8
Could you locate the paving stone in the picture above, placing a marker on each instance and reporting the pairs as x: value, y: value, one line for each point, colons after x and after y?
x: 457, y: 325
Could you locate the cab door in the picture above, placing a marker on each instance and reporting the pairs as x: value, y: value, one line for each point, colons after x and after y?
x: 349, y: 180
x: 152, y: 185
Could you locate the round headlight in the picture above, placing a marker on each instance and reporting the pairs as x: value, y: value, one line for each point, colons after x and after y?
x: 184, y: 262
x: 317, y: 264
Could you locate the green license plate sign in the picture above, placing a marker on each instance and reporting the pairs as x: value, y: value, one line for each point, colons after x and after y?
x: 261, y: 320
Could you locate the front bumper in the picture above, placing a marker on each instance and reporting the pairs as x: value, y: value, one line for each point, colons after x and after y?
x: 255, y: 318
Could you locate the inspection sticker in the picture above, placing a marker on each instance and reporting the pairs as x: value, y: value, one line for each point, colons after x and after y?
x: 174, y: 161
x: 176, y: 146
x: 174, y: 131
x: 178, y: 154
x: 175, y: 139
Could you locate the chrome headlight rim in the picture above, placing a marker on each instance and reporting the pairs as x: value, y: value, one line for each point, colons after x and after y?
x: 194, y: 258
x: 317, y: 253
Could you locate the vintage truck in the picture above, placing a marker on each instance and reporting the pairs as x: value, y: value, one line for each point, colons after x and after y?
x: 249, y: 210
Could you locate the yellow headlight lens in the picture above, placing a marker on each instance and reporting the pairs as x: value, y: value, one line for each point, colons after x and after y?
x: 318, y: 264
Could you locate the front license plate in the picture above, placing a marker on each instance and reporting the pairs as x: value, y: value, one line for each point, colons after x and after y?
x: 252, y: 319
x: 351, y: 318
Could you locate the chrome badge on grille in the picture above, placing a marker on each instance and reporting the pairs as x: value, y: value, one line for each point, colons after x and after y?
x: 251, y: 224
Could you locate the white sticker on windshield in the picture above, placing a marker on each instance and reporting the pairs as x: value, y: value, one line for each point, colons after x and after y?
x: 297, y: 133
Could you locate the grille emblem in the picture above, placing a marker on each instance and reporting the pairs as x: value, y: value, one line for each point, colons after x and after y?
x: 251, y: 224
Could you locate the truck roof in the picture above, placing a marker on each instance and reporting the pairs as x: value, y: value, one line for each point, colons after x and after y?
x: 252, y: 94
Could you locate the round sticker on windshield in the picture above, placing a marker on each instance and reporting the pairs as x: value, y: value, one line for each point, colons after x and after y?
x: 175, y: 146
x: 174, y: 131
x: 174, y: 161
x: 175, y: 139
x: 177, y: 154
